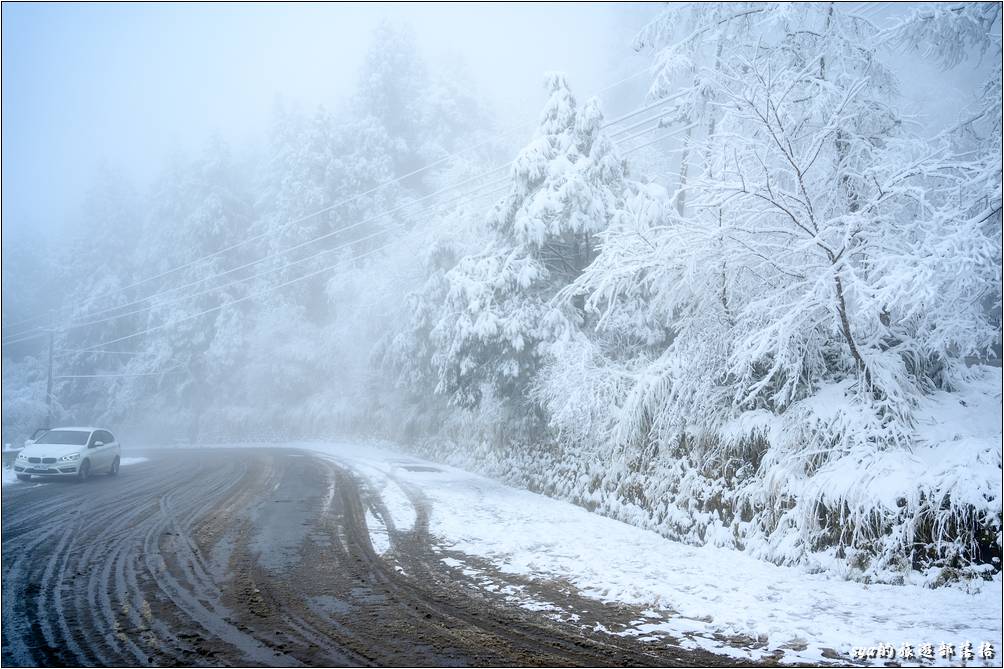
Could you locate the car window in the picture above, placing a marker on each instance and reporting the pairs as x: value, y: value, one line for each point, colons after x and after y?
x: 68, y: 437
x: 107, y: 436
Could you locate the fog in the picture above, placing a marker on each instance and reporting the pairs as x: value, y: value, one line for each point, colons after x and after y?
x: 127, y: 86
x: 621, y: 254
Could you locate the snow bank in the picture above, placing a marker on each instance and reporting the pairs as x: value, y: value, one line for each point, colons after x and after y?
x: 9, y: 478
x: 862, y: 513
x: 935, y: 501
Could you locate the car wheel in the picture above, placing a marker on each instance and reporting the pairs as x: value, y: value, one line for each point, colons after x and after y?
x: 24, y: 477
x: 84, y: 471
x: 114, y: 469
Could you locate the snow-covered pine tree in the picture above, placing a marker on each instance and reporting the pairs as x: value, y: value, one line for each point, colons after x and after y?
x: 390, y: 91
x: 497, y: 322
x: 95, y: 269
x: 198, y: 207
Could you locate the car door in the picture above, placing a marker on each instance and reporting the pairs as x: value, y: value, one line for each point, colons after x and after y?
x: 114, y: 448
x: 98, y: 455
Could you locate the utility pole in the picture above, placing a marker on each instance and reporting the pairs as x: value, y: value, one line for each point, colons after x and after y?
x: 48, y: 383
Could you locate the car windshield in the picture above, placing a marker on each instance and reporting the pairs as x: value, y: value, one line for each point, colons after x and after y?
x: 73, y: 437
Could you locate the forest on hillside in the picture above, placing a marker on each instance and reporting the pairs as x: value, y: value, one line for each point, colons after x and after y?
x: 760, y: 309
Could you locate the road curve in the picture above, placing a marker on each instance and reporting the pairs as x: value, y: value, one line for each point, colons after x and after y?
x: 262, y: 557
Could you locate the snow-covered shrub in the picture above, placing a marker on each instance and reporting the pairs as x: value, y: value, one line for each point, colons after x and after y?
x: 24, y: 406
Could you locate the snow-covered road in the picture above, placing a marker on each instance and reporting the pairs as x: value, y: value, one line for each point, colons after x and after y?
x: 708, y: 597
x: 349, y: 553
x: 267, y: 557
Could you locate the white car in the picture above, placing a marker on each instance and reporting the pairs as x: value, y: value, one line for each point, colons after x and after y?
x: 69, y: 451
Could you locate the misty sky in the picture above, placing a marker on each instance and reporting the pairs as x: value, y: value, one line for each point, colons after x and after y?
x: 128, y: 85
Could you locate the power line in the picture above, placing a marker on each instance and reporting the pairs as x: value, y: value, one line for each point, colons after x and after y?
x: 635, y: 136
x: 282, y: 252
x: 213, y: 289
x: 227, y: 249
x: 621, y: 81
x: 642, y: 110
x: 19, y: 337
x: 324, y: 236
x: 97, y: 348
x: 67, y: 351
x: 108, y: 376
x: 657, y: 139
x: 280, y: 285
x: 290, y: 223
x: 251, y: 278
x: 218, y: 288
x: 244, y: 298
x: 657, y: 117
x: 671, y: 133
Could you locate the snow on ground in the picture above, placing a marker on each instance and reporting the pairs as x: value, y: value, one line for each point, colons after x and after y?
x: 698, y: 594
x: 10, y: 478
x: 402, y: 512
x: 379, y: 537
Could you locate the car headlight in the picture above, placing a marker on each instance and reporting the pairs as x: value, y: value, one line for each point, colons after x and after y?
x: 22, y: 456
x: 71, y: 456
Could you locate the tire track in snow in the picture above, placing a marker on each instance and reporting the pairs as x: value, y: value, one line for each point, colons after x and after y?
x: 253, y: 556
x: 532, y: 641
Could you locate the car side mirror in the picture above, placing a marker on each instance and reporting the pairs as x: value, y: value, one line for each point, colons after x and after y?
x: 97, y: 443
